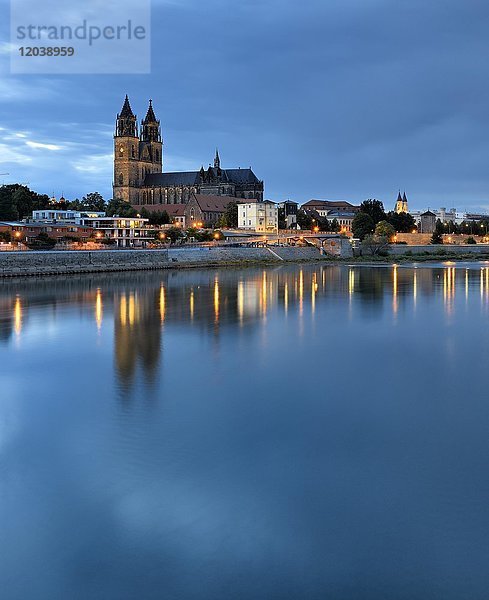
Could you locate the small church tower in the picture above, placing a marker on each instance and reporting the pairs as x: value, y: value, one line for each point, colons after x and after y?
x: 401, y: 203
x: 126, y: 155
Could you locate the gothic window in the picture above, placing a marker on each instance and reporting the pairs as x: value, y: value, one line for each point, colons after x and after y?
x: 121, y: 179
x: 157, y: 154
x: 133, y: 151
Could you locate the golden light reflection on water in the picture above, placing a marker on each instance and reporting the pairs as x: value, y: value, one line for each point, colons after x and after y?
x: 162, y: 303
x: 301, y: 292
x: 132, y: 309
x: 241, y: 299
x: 415, y: 287
x: 99, y: 309
x: 18, y: 316
x: 395, y: 289
x: 123, y: 310
x: 449, y: 288
x: 264, y: 294
x: 216, y: 299
x: 254, y: 296
x: 314, y: 289
x: 484, y: 284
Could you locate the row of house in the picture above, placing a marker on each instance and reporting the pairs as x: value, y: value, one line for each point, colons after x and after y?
x: 81, y: 226
x: 201, y: 211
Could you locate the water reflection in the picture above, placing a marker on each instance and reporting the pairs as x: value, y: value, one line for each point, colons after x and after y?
x: 139, y: 305
x: 290, y: 432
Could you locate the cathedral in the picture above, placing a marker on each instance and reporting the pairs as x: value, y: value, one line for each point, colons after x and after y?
x: 138, y: 168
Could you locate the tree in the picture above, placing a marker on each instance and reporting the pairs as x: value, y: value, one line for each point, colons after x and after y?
x: 335, y: 226
x: 120, y: 208
x: 22, y: 199
x: 76, y: 204
x: 174, y: 234
x: 324, y: 225
x: 282, y: 223
x: 8, y: 210
x: 374, y: 208
x: 375, y: 244
x: 231, y: 215
x: 439, y: 227
x: 362, y: 225
x: 385, y: 229
x: 157, y: 217
x: 402, y: 222
x: 304, y: 220
x: 94, y: 201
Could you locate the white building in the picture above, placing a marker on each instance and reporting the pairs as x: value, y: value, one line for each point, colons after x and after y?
x: 446, y: 216
x: 64, y: 216
x: 127, y: 232
x: 261, y: 217
x: 344, y: 219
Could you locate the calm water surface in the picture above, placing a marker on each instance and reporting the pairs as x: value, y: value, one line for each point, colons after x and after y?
x: 288, y: 433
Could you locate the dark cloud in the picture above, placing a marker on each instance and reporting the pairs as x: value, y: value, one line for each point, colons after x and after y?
x: 347, y: 99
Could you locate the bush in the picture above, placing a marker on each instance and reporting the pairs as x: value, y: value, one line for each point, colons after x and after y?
x: 41, y: 242
x: 470, y: 240
x: 436, y: 238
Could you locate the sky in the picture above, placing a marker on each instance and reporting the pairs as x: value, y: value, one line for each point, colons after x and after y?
x: 331, y: 99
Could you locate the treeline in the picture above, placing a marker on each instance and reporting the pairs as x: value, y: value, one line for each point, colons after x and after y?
x: 372, y: 213
x: 18, y: 201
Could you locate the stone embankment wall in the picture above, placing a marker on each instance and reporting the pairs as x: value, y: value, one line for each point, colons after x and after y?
x: 423, y: 239
x: 56, y: 262
x: 438, y: 249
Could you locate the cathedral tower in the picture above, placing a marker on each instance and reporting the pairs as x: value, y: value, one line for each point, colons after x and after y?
x: 151, y: 146
x: 127, y: 174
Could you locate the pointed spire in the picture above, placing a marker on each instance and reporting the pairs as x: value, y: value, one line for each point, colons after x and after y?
x: 399, y: 197
x: 217, y: 160
x: 126, y: 109
x: 150, y: 115
x: 150, y: 126
x: 404, y: 198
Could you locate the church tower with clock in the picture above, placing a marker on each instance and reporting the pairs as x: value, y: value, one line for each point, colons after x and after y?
x: 135, y: 156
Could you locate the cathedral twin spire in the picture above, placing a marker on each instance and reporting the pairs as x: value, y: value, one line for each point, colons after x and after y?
x: 401, y: 203
x: 127, y: 125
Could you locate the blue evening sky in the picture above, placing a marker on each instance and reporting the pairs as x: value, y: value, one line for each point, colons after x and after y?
x: 334, y: 99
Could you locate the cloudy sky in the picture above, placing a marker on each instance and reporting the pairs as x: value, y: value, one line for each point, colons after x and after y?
x: 334, y: 99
